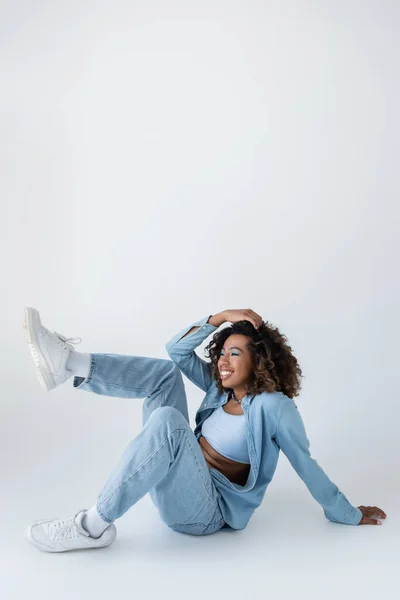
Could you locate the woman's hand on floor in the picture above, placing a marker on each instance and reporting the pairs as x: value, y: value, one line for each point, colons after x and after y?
x: 370, y: 511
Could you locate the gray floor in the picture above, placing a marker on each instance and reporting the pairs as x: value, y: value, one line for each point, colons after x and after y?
x: 283, y: 551
x: 51, y: 468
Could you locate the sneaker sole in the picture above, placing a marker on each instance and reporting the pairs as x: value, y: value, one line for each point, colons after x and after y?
x: 32, y: 320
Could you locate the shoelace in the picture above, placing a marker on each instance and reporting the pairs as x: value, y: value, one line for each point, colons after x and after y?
x: 68, y: 340
x: 63, y: 529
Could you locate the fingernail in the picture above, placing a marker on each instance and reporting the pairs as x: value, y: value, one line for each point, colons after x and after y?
x: 379, y: 522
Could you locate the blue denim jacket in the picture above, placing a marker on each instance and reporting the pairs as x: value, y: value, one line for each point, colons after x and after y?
x: 273, y: 423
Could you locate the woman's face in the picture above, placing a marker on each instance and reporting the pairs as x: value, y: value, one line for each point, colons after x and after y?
x: 236, y: 358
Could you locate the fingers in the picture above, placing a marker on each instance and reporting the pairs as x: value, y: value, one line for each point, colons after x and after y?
x: 249, y: 316
x: 255, y: 319
x: 374, y: 510
x: 368, y: 521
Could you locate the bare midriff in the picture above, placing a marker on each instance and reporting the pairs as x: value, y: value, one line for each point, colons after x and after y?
x: 236, y: 472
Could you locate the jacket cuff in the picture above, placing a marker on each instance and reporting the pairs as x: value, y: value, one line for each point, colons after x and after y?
x: 352, y: 517
x: 194, y: 339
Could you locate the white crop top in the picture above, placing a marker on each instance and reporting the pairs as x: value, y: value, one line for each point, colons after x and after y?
x: 226, y: 434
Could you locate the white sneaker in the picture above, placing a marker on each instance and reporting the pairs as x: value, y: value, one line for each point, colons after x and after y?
x: 62, y: 535
x: 50, y: 351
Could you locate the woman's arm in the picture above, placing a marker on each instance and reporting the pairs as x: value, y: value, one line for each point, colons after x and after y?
x: 181, y: 349
x: 291, y: 437
x: 215, y: 320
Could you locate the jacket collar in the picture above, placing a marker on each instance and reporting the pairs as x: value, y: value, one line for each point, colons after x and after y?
x: 246, y: 400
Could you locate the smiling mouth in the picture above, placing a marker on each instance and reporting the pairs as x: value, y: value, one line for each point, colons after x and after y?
x: 223, y: 377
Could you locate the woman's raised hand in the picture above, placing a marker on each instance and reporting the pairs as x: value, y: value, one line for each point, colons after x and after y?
x: 243, y: 314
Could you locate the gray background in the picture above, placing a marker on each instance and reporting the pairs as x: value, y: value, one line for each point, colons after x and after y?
x: 163, y: 161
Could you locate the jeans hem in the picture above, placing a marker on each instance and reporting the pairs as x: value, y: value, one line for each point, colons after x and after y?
x: 78, y: 381
x: 106, y: 519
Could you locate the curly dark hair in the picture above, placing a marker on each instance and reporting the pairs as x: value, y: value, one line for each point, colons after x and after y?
x: 275, y: 366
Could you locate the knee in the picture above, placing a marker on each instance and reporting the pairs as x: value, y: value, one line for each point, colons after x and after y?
x: 168, y: 415
x: 164, y: 368
x: 172, y: 381
x: 175, y: 371
x: 172, y: 368
x: 170, y: 371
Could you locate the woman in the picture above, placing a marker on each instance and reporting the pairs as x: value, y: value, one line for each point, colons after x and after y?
x: 201, y: 481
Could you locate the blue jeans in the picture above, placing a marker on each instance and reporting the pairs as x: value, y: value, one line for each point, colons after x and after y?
x: 165, y: 459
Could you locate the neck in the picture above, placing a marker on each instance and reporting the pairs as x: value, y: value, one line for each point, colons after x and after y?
x: 239, y: 394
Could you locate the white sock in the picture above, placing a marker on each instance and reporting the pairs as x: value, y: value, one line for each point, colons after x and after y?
x: 79, y: 363
x: 93, y: 523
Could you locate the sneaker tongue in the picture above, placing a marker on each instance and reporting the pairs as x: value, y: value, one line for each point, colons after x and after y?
x: 78, y: 522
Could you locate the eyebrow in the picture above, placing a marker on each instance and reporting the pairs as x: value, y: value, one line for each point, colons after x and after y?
x: 233, y: 348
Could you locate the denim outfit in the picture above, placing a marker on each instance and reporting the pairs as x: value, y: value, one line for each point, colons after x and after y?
x: 166, y: 460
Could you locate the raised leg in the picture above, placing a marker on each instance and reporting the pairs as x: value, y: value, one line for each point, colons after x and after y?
x: 156, y: 379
